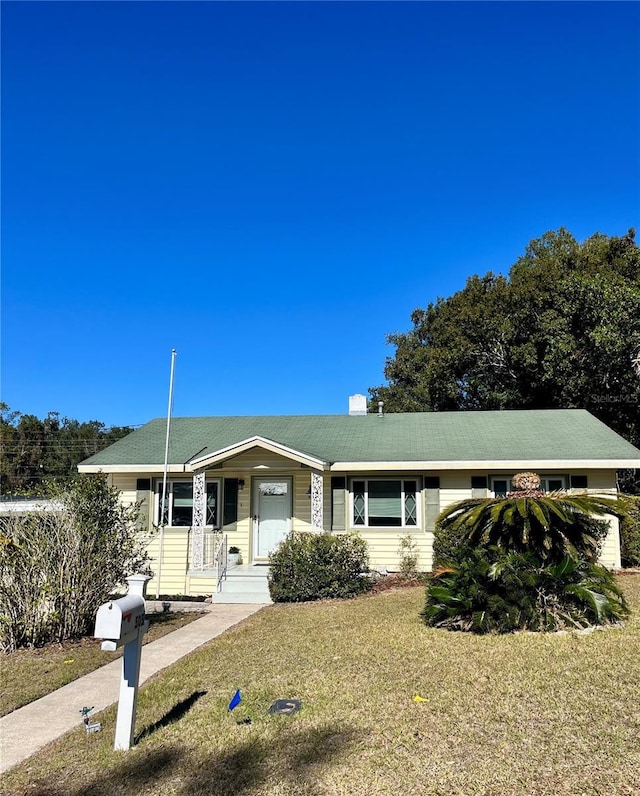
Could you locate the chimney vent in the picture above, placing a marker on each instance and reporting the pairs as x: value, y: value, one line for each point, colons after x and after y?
x: 357, y: 405
x: 380, y: 405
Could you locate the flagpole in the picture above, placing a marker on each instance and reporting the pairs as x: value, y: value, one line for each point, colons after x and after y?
x: 164, y: 475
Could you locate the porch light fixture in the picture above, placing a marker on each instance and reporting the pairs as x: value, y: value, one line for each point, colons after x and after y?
x: 309, y: 491
x: 240, y: 484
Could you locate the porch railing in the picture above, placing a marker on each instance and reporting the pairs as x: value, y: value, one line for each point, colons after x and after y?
x: 220, y: 557
x: 208, y: 550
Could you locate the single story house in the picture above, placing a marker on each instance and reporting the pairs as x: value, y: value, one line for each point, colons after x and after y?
x: 248, y: 481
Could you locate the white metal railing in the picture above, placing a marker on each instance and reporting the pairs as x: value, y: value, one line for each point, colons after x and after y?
x: 220, y: 557
x: 204, y: 548
x: 209, y: 551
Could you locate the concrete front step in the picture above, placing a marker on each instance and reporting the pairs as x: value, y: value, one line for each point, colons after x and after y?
x: 244, y: 584
x: 224, y: 598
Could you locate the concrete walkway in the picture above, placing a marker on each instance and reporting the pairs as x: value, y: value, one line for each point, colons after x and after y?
x: 28, y: 729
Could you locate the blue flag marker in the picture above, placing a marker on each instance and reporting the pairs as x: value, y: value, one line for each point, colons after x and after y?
x: 235, y: 700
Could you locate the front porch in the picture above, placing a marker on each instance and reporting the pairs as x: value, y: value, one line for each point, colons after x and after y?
x: 247, y: 500
x: 195, y: 563
x: 236, y: 583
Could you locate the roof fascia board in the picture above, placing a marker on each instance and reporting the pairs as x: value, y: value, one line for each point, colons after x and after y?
x: 490, y: 464
x: 130, y: 468
x: 255, y: 442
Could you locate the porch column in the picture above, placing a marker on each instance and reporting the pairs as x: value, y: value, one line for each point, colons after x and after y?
x: 199, y: 517
x: 316, y: 502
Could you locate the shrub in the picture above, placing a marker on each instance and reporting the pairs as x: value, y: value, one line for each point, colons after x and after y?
x: 408, y: 553
x: 57, y: 567
x: 314, y: 566
x: 447, y: 544
x: 495, y: 591
x: 630, y: 535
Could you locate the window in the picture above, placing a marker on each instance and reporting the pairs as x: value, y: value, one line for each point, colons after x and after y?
x: 179, y: 504
x: 501, y: 484
x: 383, y: 502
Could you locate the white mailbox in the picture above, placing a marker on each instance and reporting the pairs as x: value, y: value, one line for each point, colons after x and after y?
x: 121, y: 623
x: 118, y: 622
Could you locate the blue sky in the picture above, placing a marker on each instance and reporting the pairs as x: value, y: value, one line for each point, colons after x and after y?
x: 271, y: 188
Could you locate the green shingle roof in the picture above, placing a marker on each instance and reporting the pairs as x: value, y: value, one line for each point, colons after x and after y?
x: 420, y: 437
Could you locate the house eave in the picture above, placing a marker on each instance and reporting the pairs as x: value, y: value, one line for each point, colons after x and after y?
x: 360, y: 467
x: 488, y: 464
x: 130, y: 468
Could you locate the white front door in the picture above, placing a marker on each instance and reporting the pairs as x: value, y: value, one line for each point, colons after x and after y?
x: 271, y: 515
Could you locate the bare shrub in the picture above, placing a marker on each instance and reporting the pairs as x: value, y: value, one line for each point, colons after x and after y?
x: 57, y: 567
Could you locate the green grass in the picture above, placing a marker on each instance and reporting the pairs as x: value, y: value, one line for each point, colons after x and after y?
x: 516, y: 715
x: 33, y: 673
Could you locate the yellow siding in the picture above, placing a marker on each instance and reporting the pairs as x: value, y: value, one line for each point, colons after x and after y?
x: 127, y: 486
x: 200, y: 585
x: 242, y: 536
x: 383, y: 543
x: 610, y: 553
x: 450, y: 496
x: 384, y: 547
x: 458, y: 480
x: 602, y: 480
x: 173, y: 574
x: 259, y: 457
x: 301, y: 502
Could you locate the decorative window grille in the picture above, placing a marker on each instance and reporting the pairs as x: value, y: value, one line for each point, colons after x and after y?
x: 385, y: 502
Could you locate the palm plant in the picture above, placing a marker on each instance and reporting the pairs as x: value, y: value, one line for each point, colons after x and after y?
x: 551, y: 526
x: 494, y: 591
x: 526, y: 560
x: 579, y: 593
x: 486, y: 591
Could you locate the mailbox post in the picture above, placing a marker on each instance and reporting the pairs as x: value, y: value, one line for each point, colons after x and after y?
x: 122, y: 623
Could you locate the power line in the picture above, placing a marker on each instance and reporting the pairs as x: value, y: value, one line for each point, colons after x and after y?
x: 62, y: 426
x: 34, y: 444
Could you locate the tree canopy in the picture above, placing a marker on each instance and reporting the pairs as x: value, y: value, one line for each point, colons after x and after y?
x: 561, y: 330
x: 35, y: 450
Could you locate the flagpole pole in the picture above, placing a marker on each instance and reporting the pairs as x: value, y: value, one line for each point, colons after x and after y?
x: 164, y: 474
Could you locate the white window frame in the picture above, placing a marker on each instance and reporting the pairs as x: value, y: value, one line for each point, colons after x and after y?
x: 402, y: 480
x: 157, y: 497
x: 544, y: 481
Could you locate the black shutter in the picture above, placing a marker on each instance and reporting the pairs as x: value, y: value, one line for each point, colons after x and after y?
x: 479, y: 486
x: 431, y: 500
x: 338, y: 486
x: 143, y: 497
x: 230, y: 510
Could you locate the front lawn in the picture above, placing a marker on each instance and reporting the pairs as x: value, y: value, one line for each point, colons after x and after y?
x: 513, y: 715
x: 30, y: 674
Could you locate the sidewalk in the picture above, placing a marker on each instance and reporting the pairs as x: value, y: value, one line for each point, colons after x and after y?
x: 28, y: 729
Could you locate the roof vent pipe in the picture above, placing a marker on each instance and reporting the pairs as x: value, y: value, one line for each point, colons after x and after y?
x: 380, y: 405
